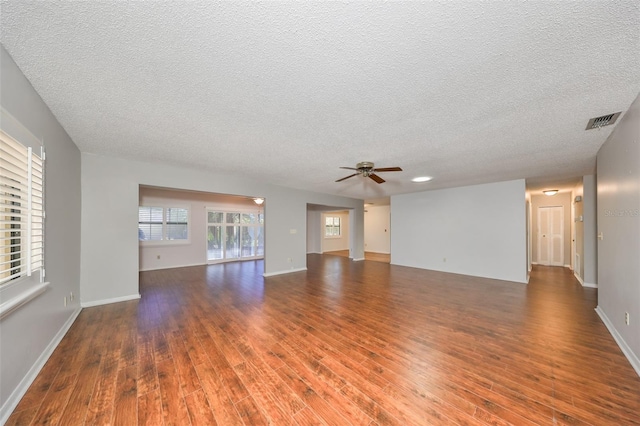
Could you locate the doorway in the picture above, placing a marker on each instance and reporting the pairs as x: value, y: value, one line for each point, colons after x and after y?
x: 551, y: 236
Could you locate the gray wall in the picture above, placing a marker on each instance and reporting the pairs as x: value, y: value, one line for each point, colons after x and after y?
x: 589, y: 213
x: 32, y: 332
x: 618, y: 211
x: 110, y: 220
x: 578, y: 209
x: 314, y: 231
x: 480, y: 230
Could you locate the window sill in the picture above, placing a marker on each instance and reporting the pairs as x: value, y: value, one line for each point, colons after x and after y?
x: 21, y: 299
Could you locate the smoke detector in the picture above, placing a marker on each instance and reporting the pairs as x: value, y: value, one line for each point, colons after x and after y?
x: 605, y: 120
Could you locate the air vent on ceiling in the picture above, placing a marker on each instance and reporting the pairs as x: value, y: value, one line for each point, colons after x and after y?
x: 605, y: 120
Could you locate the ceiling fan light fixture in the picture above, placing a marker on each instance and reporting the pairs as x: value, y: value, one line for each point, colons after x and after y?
x: 258, y: 201
x: 420, y: 179
x: 550, y: 192
x: 368, y: 169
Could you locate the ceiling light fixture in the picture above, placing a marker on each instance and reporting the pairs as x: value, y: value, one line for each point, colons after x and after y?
x: 550, y: 192
x: 258, y: 201
x: 421, y: 179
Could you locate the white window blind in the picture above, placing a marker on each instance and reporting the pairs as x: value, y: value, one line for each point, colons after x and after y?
x: 332, y: 226
x: 163, y: 224
x: 21, y: 209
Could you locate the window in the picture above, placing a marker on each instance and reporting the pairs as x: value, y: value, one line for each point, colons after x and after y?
x: 21, y: 210
x: 234, y: 235
x: 331, y: 226
x: 163, y: 224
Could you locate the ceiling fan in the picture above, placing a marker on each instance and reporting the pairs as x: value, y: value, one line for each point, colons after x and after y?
x: 367, y: 169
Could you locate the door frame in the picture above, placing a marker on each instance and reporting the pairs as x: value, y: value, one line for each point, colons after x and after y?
x: 561, y: 233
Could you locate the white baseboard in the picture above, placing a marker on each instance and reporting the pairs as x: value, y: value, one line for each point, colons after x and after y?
x: 314, y: 252
x: 626, y: 350
x: 288, y: 271
x: 590, y: 285
x: 562, y: 266
x: 108, y: 301
x: 359, y: 259
x: 377, y: 252
x: 27, y: 380
x: 575, y: 274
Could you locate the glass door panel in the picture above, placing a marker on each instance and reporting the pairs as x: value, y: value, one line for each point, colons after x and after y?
x: 232, y: 247
x: 260, y: 241
x: 248, y: 246
x: 214, y: 242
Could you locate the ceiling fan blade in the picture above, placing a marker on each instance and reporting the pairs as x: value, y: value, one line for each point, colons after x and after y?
x: 344, y: 178
x: 387, y: 169
x: 349, y: 168
x: 377, y: 178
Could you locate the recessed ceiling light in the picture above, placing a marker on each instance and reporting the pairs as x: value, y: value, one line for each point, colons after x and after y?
x: 421, y: 179
x: 550, y: 192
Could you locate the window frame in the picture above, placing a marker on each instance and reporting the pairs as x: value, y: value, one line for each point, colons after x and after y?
x: 165, y: 222
x: 258, y: 223
x: 27, y: 218
x: 333, y: 226
x: 20, y: 290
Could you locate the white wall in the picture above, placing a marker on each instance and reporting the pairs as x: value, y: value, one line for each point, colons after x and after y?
x: 618, y: 212
x: 193, y: 252
x: 110, y: 220
x: 377, y: 229
x: 479, y: 230
x: 30, y: 334
x: 335, y: 243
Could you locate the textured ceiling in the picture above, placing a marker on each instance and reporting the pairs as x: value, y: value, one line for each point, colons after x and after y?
x: 286, y: 92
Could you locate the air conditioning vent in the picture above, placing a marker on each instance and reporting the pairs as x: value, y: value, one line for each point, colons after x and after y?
x: 605, y: 120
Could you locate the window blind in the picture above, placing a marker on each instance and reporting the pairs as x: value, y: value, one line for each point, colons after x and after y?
x: 21, y: 209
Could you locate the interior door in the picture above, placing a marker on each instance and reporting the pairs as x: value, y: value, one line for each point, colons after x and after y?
x: 551, y: 236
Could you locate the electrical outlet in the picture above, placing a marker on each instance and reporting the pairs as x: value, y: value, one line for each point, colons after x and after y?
x: 70, y: 296
x: 65, y: 301
x: 289, y: 260
x: 626, y: 318
x: 444, y: 259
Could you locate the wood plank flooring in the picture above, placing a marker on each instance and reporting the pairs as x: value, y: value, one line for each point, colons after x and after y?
x: 363, y: 343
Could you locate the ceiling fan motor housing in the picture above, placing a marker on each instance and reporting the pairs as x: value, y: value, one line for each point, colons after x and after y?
x: 365, y: 168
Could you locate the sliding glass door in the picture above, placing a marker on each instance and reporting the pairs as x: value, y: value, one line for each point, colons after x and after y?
x: 234, y: 235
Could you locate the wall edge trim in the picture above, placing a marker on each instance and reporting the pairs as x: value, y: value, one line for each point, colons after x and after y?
x: 12, y: 402
x: 626, y: 350
x: 108, y: 301
x: 288, y: 271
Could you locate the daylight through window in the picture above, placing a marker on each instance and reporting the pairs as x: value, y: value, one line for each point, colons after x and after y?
x: 163, y: 224
x: 332, y: 226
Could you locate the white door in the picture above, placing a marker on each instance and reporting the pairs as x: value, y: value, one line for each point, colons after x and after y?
x: 551, y: 236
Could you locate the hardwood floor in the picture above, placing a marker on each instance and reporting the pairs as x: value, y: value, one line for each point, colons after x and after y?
x: 364, y: 343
